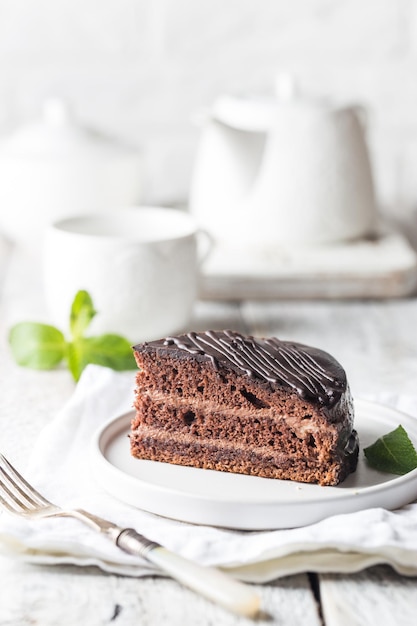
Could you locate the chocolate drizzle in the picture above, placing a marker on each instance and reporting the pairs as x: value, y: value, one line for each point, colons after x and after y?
x: 312, y: 373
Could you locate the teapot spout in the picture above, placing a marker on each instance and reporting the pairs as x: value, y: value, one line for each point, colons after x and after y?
x: 226, y: 166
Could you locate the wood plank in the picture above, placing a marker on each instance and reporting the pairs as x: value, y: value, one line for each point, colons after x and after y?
x: 217, y: 315
x: 367, y: 337
x: 370, y: 598
x: 67, y: 595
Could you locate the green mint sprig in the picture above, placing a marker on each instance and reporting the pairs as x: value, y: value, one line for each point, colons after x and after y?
x: 393, y: 453
x: 43, y: 347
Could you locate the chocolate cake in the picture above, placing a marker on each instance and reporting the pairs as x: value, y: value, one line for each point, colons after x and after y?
x: 224, y: 401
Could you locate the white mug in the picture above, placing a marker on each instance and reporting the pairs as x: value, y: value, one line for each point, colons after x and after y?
x: 140, y: 265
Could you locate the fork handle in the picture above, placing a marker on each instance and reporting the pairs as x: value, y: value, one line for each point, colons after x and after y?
x: 207, y: 581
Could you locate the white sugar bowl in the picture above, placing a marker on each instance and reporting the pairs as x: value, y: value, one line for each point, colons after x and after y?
x: 54, y: 168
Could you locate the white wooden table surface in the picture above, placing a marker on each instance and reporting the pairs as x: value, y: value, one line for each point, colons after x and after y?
x: 376, y: 341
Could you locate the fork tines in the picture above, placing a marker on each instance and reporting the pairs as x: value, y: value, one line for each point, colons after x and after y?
x: 16, y: 494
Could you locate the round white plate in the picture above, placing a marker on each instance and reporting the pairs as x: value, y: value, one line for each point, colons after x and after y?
x: 246, y: 502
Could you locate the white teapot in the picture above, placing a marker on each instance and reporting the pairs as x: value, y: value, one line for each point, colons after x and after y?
x: 283, y: 171
x: 54, y: 168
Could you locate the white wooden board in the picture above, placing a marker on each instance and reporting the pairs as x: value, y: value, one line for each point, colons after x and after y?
x: 383, y: 267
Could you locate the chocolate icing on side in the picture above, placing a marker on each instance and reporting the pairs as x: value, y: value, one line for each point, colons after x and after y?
x: 313, y: 374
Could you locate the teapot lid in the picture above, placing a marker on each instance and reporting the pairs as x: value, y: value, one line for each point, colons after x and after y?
x: 58, y: 135
x: 258, y: 114
x: 251, y: 113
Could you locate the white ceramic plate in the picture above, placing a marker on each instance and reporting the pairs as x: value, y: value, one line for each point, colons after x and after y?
x: 246, y: 502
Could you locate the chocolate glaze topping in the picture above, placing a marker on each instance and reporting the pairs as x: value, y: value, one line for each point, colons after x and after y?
x: 312, y: 373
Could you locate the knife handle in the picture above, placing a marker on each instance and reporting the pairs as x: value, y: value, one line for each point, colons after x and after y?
x: 207, y: 581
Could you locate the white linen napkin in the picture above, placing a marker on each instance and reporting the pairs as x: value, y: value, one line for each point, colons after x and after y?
x: 59, y: 467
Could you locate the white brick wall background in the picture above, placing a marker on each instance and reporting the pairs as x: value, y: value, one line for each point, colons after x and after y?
x: 140, y: 69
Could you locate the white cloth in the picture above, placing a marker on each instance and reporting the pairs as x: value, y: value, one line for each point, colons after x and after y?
x: 59, y: 467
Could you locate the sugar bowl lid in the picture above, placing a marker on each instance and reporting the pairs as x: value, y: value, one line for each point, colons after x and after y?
x: 57, y: 134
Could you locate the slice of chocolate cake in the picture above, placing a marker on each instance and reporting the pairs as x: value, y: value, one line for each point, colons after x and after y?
x: 220, y: 400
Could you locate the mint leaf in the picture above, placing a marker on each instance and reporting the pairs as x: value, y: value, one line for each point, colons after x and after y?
x: 108, y: 350
x: 82, y: 312
x: 43, y: 347
x: 393, y: 453
x: 38, y: 346
x: 75, y: 361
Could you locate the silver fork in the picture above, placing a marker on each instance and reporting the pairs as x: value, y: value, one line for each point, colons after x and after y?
x: 18, y: 497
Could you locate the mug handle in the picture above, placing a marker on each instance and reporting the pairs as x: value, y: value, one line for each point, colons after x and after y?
x: 205, y: 245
